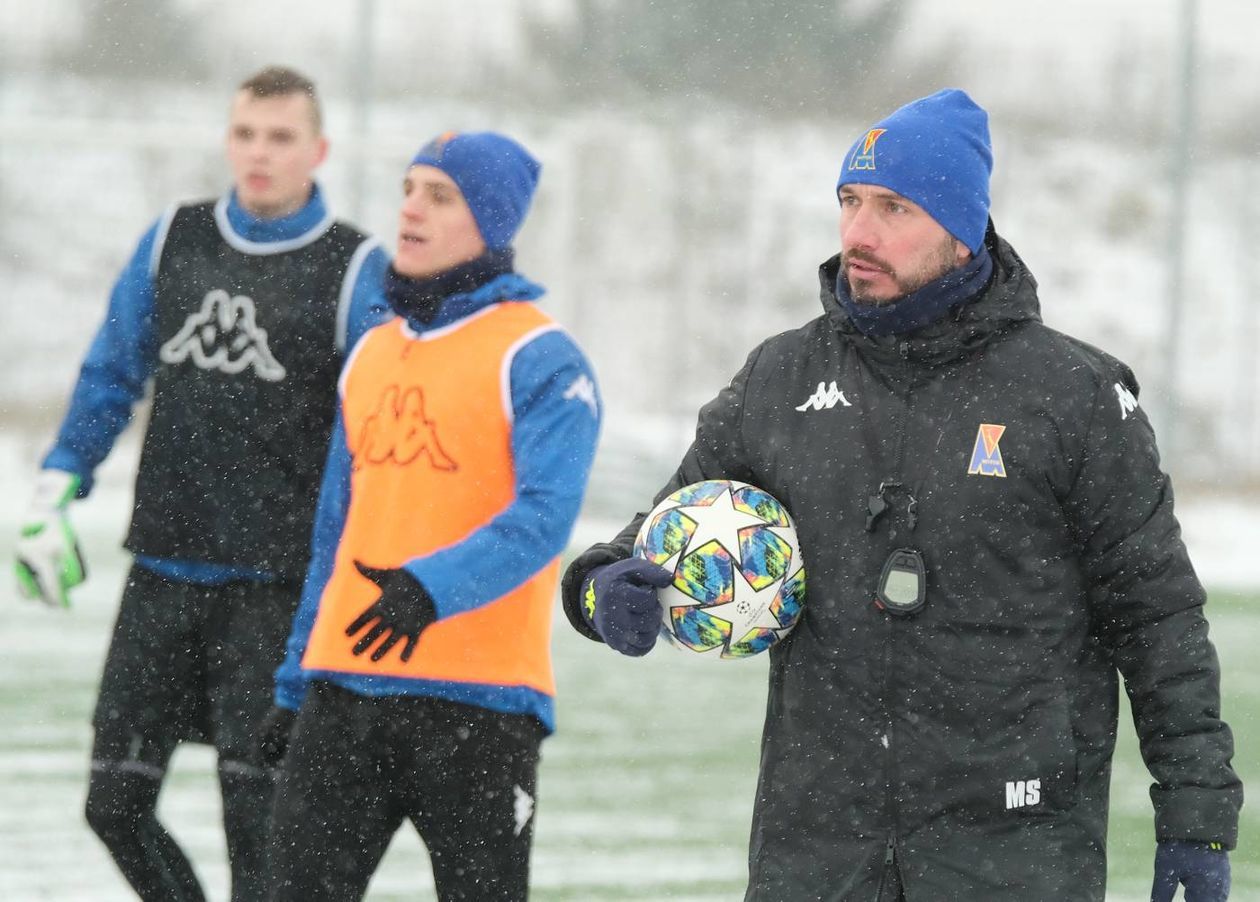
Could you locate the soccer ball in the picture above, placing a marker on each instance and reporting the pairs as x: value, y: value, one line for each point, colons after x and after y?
x: 739, y: 581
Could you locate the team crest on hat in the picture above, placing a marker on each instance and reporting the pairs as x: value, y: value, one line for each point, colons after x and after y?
x: 986, y: 456
x: 435, y: 147
x: 865, y: 158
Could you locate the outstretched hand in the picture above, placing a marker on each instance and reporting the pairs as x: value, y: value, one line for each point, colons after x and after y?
x: 400, y: 613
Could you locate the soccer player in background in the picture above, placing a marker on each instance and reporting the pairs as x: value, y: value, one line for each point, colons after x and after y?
x: 238, y: 311
x: 988, y: 539
x: 419, y: 666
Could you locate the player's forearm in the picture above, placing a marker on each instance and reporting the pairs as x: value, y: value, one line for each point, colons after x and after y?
x: 114, y: 374
x: 501, y: 555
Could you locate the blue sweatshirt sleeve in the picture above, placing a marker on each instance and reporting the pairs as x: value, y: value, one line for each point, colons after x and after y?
x: 116, y: 370
x: 363, y: 303
x: 556, y: 417
x: 330, y: 521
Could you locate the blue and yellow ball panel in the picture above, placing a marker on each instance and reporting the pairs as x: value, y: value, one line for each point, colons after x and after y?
x: 752, y: 500
x: 700, y: 493
x: 764, y: 557
x: 755, y: 642
x: 707, y: 574
x: 790, y: 600
x: 667, y: 536
x: 699, y: 630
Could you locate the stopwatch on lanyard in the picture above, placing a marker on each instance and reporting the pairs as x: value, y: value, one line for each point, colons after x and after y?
x: 902, y: 587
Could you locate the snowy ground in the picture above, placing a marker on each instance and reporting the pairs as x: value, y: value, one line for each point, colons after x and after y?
x: 620, y: 814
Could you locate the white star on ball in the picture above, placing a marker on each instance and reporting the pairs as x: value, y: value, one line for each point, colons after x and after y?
x: 719, y: 520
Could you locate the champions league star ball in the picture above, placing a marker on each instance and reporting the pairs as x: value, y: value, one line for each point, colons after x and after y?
x: 739, y: 581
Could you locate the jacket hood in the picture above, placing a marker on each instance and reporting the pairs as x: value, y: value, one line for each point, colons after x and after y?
x: 1009, y: 299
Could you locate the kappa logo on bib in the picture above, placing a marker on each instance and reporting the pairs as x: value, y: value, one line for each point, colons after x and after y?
x: 399, y: 432
x: 224, y: 335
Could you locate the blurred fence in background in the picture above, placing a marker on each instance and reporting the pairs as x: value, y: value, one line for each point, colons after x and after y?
x: 686, y: 198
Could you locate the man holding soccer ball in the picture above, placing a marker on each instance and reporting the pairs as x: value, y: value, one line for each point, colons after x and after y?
x: 418, y: 681
x: 991, y: 546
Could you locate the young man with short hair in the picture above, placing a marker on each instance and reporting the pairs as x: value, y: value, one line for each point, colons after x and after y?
x: 419, y: 669
x: 238, y: 312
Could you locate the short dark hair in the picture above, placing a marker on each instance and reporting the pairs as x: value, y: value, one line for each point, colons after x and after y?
x: 281, y: 81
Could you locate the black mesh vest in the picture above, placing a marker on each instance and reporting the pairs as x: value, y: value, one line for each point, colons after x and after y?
x: 244, y: 395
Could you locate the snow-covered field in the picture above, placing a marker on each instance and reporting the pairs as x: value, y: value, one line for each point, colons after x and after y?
x: 646, y: 789
x: 619, y: 812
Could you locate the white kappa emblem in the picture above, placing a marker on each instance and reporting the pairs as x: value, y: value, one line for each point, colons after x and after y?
x: 224, y: 335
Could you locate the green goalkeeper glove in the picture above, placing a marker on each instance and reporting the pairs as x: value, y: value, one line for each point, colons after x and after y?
x: 49, y: 563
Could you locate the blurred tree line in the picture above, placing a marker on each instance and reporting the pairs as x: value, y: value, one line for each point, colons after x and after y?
x: 139, y: 40
x: 784, y: 54
x: 781, y: 57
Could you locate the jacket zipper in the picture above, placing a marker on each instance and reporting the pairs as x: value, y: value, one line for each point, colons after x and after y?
x: 890, y: 761
x: 903, y: 350
x: 889, y: 857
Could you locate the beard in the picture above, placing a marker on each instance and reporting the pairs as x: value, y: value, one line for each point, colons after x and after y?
x: 939, y: 261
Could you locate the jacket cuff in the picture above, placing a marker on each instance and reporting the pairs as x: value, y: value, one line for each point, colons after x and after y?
x: 1197, y: 813
x: 575, y: 578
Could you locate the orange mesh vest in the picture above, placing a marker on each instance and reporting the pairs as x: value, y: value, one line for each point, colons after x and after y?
x: 429, y: 433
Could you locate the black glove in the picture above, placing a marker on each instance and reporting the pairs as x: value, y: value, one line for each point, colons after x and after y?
x: 273, y: 736
x: 622, y: 605
x: 1202, y: 867
x: 402, y: 611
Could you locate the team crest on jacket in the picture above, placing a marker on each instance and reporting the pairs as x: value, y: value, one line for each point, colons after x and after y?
x: 224, y: 335
x: 986, y: 456
x: 399, y: 432
x: 865, y: 158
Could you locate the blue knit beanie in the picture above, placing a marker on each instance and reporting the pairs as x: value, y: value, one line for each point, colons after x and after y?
x: 936, y: 152
x: 496, y: 175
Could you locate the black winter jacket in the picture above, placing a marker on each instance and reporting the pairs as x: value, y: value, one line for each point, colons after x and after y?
x: 971, y: 743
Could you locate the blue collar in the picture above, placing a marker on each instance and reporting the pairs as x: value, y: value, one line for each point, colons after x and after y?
x: 919, y: 308
x: 285, y: 228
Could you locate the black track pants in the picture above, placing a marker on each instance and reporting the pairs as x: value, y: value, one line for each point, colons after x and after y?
x: 121, y: 809
x: 358, y: 767
x: 187, y: 662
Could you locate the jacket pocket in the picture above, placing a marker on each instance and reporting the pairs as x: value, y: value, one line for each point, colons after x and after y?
x: 992, y: 759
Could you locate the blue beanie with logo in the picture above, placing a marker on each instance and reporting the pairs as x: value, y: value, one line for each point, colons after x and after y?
x: 496, y: 175
x: 936, y: 152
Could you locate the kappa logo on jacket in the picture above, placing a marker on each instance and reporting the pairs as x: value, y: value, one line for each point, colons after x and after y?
x: 825, y: 397
x: 522, y: 808
x: 400, y: 432
x: 583, y: 389
x: 986, y: 456
x: 1128, y: 403
x: 224, y: 335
